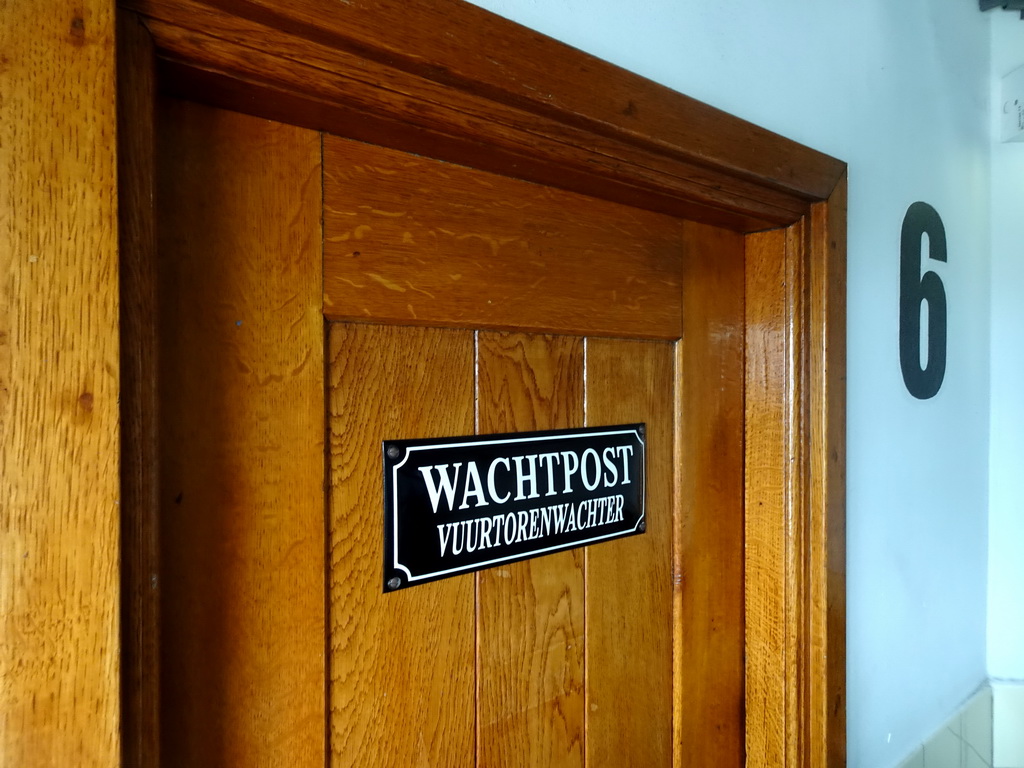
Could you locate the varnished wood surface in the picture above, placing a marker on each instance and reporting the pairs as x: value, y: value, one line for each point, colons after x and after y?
x: 59, y: 612
x: 140, y: 622
x: 767, y: 499
x: 827, y: 536
x: 59, y: 382
x: 530, y: 623
x: 511, y: 64
x: 402, y: 669
x: 629, y: 582
x: 418, y: 241
x: 597, y: 129
x: 791, y: 463
x: 795, y: 491
x: 709, y: 560
x: 241, y: 441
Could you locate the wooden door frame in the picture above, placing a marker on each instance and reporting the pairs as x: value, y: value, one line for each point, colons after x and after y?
x: 451, y: 81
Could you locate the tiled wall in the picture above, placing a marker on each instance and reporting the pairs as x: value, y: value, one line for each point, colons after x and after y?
x: 1008, y: 724
x: 965, y: 741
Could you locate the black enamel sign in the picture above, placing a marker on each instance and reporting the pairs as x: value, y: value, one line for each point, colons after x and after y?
x: 453, y: 505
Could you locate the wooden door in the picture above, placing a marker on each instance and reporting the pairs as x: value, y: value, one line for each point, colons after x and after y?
x: 319, y: 295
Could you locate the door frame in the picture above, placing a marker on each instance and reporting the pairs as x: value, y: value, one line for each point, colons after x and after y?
x: 451, y: 81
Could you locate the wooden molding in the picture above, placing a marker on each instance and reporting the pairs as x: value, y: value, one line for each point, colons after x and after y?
x: 140, y: 593
x: 826, y: 484
x: 450, y: 81
x: 487, y: 93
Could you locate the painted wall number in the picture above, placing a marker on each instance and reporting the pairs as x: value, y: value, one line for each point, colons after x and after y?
x: 915, y: 290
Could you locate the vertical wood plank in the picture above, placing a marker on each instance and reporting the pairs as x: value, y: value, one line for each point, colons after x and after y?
x: 402, y: 675
x: 59, y: 483
x: 241, y: 437
x: 709, y: 656
x: 767, y: 498
x: 793, y: 467
x: 140, y: 630
x: 827, y: 537
x: 530, y: 614
x: 629, y: 582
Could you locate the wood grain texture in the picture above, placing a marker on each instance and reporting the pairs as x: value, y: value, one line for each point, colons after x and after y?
x: 402, y: 672
x: 827, y: 528
x: 795, y: 436
x: 513, y: 110
x: 510, y: 64
x: 530, y: 615
x: 709, y: 560
x: 769, y: 518
x: 241, y: 441
x: 793, y: 468
x: 629, y: 581
x: 58, y: 702
x: 59, y: 383
x: 413, y: 240
x: 348, y: 94
x: 140, y: 627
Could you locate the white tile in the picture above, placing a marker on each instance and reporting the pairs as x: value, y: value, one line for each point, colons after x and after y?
x: 1007, y: 726
x: 944, y: 749
x: 976, y: 719
x: 916, y: 760
x: 974, y: 761
x: 954, y: 725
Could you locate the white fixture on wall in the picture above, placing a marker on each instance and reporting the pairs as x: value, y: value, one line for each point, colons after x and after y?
x: 1013, y: 106
x: 1007, y: 5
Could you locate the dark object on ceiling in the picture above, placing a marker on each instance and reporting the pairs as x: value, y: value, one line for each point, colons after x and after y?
x: 1006, y: 5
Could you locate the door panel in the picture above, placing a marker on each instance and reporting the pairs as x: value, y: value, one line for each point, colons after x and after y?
x: 402, y: 685
x: 710, y: 544
x: 530, y: 617
x: 241, y: 425
x: 561, y: 311
x: 532, y: 635
x: 629, y: 581
x: 412, y: 240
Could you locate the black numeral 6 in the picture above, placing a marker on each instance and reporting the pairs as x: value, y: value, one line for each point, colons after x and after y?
x: 922, y: 219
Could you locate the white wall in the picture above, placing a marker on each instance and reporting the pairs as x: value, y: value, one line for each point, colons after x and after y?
x: 1006, y: 515
x: 900, y: 91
